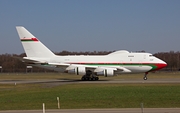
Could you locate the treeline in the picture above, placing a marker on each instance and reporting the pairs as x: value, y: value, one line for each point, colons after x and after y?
x: 171, y: 58
x: 10, y: 64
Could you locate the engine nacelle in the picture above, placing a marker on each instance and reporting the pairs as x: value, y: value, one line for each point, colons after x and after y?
x: 78, y: 70
x: 106, y: 72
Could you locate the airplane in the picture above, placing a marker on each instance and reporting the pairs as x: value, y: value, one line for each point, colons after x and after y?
x: 89, y: 66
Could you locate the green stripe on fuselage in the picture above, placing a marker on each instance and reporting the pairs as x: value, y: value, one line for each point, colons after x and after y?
x: 136, y: 64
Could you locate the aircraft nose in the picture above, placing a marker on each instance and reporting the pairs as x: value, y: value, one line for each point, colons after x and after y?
x: 161, y: 65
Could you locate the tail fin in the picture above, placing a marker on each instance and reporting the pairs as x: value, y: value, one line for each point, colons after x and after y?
x: 32, y: 46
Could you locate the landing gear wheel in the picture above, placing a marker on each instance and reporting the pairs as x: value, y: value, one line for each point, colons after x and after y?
x: 97, y: 78
x: 83, y: 79
x: 89, y: 76
x: 145, y: 78
x: 93, y: 79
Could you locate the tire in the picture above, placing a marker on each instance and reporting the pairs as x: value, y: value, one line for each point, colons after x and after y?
x: 93, y: 78
x: 145, y: 78
x: 97, y: 78
x: 83, y: 79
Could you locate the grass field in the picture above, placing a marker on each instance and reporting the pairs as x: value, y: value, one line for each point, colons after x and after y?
x: 75, y: 96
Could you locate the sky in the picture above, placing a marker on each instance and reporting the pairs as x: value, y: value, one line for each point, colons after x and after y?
x: 92, y: 25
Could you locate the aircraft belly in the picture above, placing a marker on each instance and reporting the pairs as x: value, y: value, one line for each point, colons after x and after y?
x: 137, y: 69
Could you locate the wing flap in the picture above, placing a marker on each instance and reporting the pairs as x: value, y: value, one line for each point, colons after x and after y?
x: 123, y: 69
x: 100, y: 69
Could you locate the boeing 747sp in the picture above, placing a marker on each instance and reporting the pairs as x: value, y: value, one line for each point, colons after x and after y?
x: 89, y: 66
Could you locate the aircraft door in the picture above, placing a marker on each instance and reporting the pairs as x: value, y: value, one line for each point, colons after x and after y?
x: 140, y: 63
x: 144, y: 56
x: 121, y: 63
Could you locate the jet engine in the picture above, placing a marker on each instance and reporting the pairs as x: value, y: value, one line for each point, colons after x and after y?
x: 106, y: 72
x: 78, y: 70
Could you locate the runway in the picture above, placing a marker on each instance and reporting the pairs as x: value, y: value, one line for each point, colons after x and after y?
x: 103, y: 81
x: 123, y: 110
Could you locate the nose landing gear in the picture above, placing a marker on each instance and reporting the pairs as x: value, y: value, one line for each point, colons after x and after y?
x: 145, y: 76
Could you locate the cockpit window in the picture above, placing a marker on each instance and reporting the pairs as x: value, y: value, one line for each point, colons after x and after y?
x: 150, y: 55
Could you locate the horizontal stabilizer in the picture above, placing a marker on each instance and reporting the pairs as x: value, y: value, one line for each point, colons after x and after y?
x: 29, y: 60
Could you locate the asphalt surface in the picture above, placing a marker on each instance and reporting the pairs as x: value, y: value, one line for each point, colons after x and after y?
x: 123, y: 110
x: 66, y: 81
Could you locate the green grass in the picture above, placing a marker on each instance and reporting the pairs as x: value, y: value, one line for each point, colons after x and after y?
x: 75, y: 96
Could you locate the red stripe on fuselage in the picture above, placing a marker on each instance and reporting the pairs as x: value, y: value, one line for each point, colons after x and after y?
x: 114, y: 63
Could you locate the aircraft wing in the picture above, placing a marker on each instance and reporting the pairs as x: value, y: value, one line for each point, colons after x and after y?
x: 89, y: 67
x: 68, y: 66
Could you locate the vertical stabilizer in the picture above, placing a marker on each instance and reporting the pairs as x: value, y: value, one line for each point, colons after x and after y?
x: 32, y: 46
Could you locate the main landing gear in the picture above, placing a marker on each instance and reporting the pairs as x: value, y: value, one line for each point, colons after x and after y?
x: 145, y: 76
x: 89, y: 76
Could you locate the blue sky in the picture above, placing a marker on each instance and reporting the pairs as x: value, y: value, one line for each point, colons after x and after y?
x: 92, y: 25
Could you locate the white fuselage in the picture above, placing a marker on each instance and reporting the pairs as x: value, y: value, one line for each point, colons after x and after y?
x: 136, y: 62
